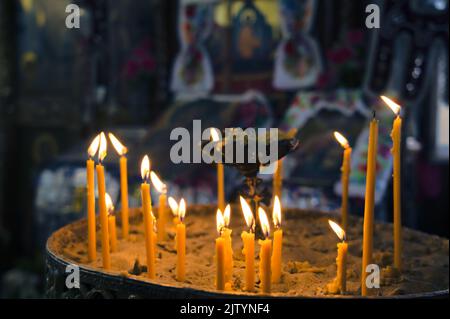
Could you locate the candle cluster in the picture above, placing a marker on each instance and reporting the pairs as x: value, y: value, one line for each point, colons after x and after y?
x: 270, y: 246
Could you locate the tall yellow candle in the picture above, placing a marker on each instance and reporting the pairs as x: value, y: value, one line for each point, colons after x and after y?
x: 148, y: 218
x: 396, y: 136
x: 340, y: 283
x: 345, y: 177
x: 90, y: 189
x: 220, y: 253
x: 248, y: 251
x: 180, y: 239
x: 122, y: 151
x: 277, y: 241
x: 220, y: 186
x: 226, y: 235
x: 102, y: 203
x: 220, y: 175
x: 278, y: 179
x: 265, y: 252
x: 369, y: 202
x: 162, y: 209
x: 111, y: 223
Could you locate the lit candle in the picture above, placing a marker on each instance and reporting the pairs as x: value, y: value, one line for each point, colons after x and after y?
x: 226, y: 235
x: 102, y: 202
x: 174, y: 208
x: 162, y: 209
x: 122, y: 151
x: 180, y: 239
x: 265, y: 253
x: 277, y: 241
x: 340, y: 282
x: 369, y: 202
x: 278, y: 179
x: 220, y: 175
x: 220, y: 253
x: 396, y: 136
x: 111, y: 223
x: 249, y: 245
x: 345, y: 174
x: 148, y: 217
x: 90, y: 185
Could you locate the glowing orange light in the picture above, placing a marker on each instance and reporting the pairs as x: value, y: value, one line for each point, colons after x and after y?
x: 145, y: 168
x: 392, y: 105
x: 265, y: 226
x: 181, y: 209
x: 337, y: 229
x: 102, y: 149
x: 109, y: 204
x: 248, y: 215
x: 119, y: 147
x: 341, y: 139
x: 93, y: 148
x: 215, y: 134
x: 227, y: 215
x: 173, y: 206
x: 156, y: 181
x: 219, y: 221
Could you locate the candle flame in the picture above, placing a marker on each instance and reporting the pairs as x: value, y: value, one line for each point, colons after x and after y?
x: 173, y: 206
x: 156, y: 181
x: 102, y: 149
x: 145, y: 168
x: 265, y: 226
x: 227, y: 215
x: 219, y: 221
x: 181, y: 209
x: 392, y: 105
x: 93, y: 148
x: 248, y: 215
x: 341, y: 139
x: 120, y: 148
x: 276, y: 214
x: 109, y: 204
x: 214, y: 134
x: 337, y: 229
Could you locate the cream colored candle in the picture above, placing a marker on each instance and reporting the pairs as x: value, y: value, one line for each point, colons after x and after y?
x: 148, y: 218
x: 265, y: 252
x: 90, y: 188
x: 277, y: 241
x: 341, y: 260
x: 111, y: 223
x: 345, y: 177
x: 102, y: 203
x: 220, y: 253
x: 215, y: 136
x: 122, y: 151
x: 396, y: 136
x: 162, y: 209
x: 248, y: 251
x: 369, y: 203
x: 180, y: 242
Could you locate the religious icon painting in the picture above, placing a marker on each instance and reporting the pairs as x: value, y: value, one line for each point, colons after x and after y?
x: 192, y: 72
x: 297, y: 59
x: 252, y: 39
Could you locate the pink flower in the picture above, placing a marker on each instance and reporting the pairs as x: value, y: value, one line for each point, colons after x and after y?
x: 340, y: 55
x: 131, y: 69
